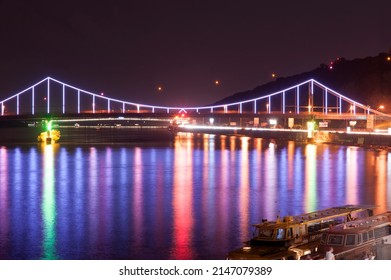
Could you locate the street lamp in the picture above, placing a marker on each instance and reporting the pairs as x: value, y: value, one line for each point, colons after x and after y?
x: 381, y: 107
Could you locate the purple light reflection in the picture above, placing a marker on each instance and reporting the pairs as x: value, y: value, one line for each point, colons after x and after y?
x: 4, y: 204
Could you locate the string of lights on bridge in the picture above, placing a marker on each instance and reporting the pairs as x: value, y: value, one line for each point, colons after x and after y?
x: 294, y: 100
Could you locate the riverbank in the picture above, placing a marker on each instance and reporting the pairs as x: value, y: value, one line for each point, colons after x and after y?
x: 132, y: 134
x: 364, y: 139
x: 89, y: 134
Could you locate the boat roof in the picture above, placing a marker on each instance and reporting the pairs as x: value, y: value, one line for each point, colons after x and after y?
x: 316, y: 215
x: 363, y: 224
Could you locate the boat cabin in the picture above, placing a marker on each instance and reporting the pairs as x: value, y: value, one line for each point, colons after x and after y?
x: 295, y: 236
x: 358, y: 238
x: 304, y: 228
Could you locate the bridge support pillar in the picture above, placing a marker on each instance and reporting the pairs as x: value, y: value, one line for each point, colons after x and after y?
x: 370, y: 122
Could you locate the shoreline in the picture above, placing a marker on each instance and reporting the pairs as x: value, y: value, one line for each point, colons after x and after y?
x: 152, y: 134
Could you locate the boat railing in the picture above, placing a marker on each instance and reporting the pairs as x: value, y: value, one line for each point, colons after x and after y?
x: 359, y: 249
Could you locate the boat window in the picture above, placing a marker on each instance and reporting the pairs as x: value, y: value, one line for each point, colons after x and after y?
x: 350, y: 239
x: 280, y: 233
x: 335, y: 239
x: 314, y: 228
x: 324, y: 237
x: 265, y: 233
x: 370, y: 234
x: 364, y: 236
x: 289, y: 233
x: 359, y: 239
x: 380, y: 232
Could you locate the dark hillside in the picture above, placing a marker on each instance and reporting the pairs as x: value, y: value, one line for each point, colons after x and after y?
x: 365, y: 80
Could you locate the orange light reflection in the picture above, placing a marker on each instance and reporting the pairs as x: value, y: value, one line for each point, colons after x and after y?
x: 381, y: 183
x: 291, y: 166
x: 388, y: 183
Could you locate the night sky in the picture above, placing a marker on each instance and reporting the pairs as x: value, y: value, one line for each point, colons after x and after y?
x: 127, y: 49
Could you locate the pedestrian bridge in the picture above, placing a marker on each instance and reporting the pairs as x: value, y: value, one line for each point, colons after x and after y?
x: 307, y: 100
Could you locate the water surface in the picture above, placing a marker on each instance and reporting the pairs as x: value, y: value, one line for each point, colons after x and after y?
x: 191, y: 198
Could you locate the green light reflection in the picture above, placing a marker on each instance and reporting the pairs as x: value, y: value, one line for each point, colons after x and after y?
x: 310, y: 180
x: 48, y: 206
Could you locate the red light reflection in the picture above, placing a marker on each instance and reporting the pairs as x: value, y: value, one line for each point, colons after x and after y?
x: 182, y: 201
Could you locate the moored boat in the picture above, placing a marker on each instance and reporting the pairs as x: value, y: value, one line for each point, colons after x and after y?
x: 292, y: 237
x: 368, y: 238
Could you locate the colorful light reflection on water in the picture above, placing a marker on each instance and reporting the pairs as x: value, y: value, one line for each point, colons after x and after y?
x: 48, y: 207
x: 195, y: 198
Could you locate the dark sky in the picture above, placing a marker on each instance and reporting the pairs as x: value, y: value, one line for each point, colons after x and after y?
x: 127, y: 49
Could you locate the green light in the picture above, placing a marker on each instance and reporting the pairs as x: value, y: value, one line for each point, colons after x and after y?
x: 48, y: 125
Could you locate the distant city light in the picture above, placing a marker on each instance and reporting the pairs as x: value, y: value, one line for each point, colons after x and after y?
x: 159, y: 88
x: 388, y: 58
x: 274, y: 75
x: 217, y: 82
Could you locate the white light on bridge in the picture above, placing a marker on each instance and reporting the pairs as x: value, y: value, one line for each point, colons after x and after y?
x: 311, y: 128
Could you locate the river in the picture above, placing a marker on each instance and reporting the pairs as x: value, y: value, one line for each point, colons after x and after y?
x: 192, y: 197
